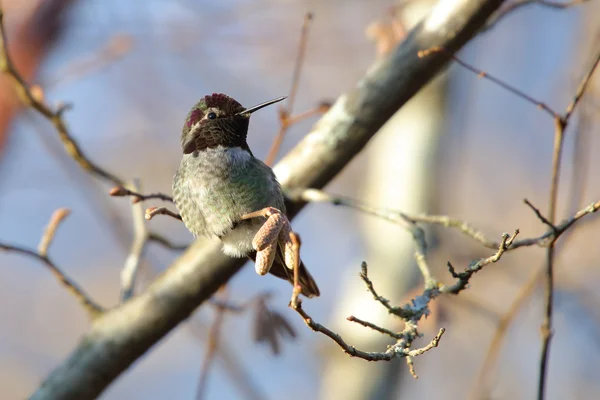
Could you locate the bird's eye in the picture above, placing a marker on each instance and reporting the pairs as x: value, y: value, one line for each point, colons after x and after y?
x: 211, y: 115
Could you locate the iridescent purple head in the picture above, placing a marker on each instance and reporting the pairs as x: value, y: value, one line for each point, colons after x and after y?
x: 217, y: 120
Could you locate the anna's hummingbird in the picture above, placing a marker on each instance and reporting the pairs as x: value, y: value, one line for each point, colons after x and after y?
x: 219, y: 181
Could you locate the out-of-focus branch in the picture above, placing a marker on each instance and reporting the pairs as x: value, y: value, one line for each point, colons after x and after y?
x: 560, y: 123
x: 232, y: 365
x: 93, y: 309
x: 57, y: 217
x: 121, y: 191
x: 32, y: 38
x: 115, y: 49
x: 482, y: 74
x: 110, y: 346
x: 140, y: 239
x: 212, y: 346
x: 481, y: 381
x: 286, y: 119
x: 36, y: 101
x: 163, y: 241
x: 512, y: 6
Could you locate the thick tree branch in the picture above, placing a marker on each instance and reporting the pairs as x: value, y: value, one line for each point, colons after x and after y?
x: 123, y: 334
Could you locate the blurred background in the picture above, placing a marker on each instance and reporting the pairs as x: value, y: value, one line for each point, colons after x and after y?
x: 463, y: 147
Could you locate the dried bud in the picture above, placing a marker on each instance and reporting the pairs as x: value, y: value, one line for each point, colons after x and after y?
x: 118, y: 191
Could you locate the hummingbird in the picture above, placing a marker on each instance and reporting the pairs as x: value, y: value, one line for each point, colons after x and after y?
x: 222, y: 190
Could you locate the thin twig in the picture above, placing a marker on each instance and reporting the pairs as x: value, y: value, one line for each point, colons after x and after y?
x: 350, y: 350
x: 405, y: 220
x: 539, y: 214
x: 36, y: 101
x: 560, y: 123
x: 509, y: 7
x: 140, y: 239
x: 376, y: 328
x: 399, y: 311
x: 57, y: 217
x: 212, y: 346
x: 398, y: 217
x: 434, y: 343
x: 285, y: 112
x: 115, y: 49
x: 154, y: 211
x: 120, y: 191
x: 93, y: 309
x: 482, y: 74
x: 163, y: 241
x: 481, y: 382
x: 399, y: 349
x: 232, y: 365
x: 465, y: 276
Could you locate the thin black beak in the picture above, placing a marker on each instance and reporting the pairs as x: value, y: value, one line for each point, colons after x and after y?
x: 250, y: 110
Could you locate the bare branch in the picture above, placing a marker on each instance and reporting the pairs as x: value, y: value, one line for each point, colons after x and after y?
x: 465, y: 276
x: 350, y: 350
x: 212, y: 346
x: 376, y: 328
x: 115, y: 49
x: 119, y: 191
x: 284, y: 112
x: 483, y: 74
x: 93, y: 309
x: 140, y: 239
x: 538, y: 213
x: 55, y: 117
x: 399, y: 311
x: 154, y: 211
x: 163, y: 241
x: 57, y: 217
x: 560, y: 124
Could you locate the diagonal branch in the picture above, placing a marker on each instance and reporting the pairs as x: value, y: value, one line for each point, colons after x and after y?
x: 93, y: 309
x: 140, y: 240
x: 36, y: 101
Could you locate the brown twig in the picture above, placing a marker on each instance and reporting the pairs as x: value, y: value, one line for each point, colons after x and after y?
x: 154, y: 211
x: 481, y: 382
x: 465, y: 276
x: 231, y: 363
x: 163, y: 241
x: 93, y: 309
x: 284, y: 112
x: 35, y: 100
x: 121, y: 191
x: 399, y: 349
x: 539, y: 214
x: 212, y: 346
x: 115, y: 49
x: 376, y: 328
x: 560, y: 123
x: 136, y: 253
x: 483, y: 74
x: 57, y: 217
x: 407, y: 220
x: 399, y: 311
